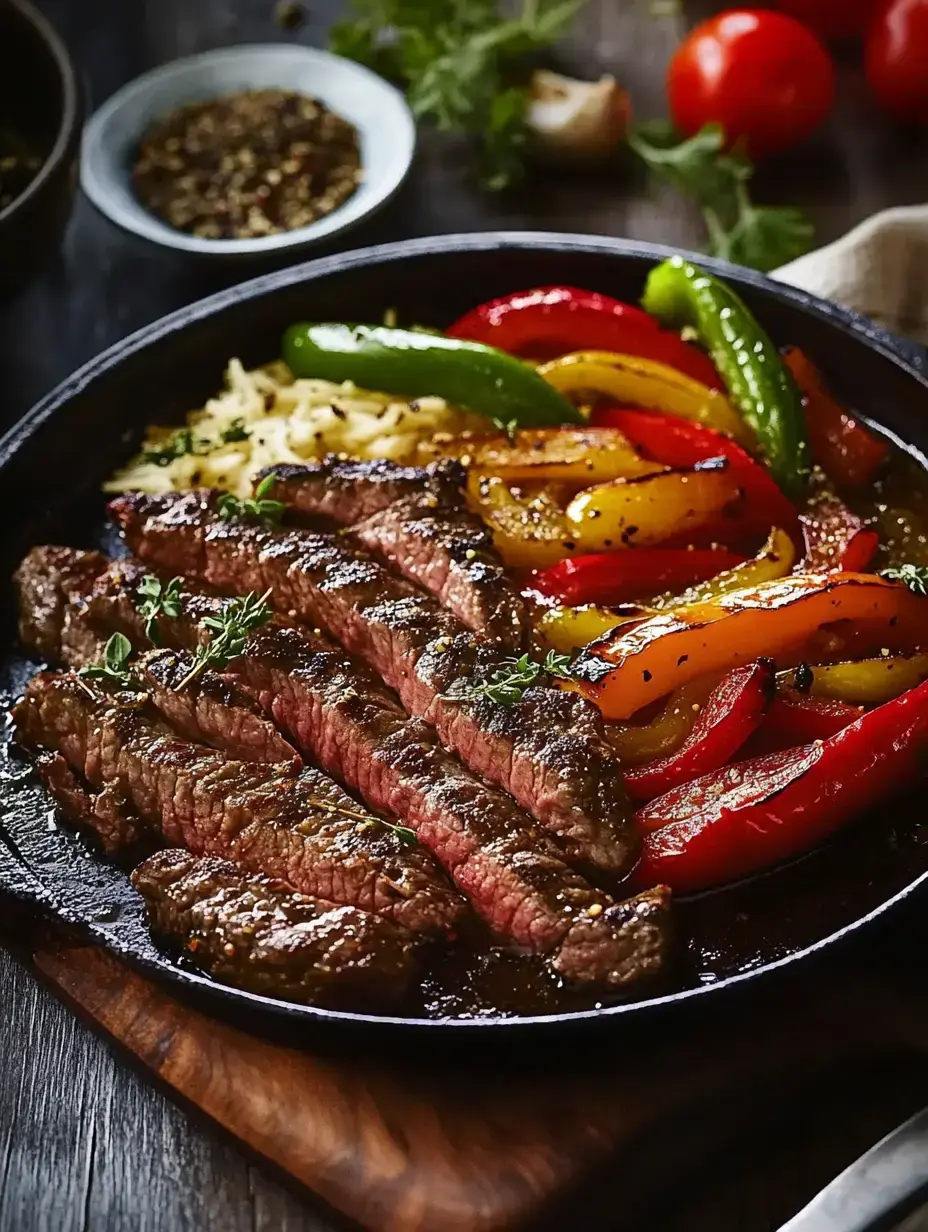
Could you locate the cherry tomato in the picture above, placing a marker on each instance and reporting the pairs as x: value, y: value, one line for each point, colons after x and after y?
x: 831, y: 19
x: 896, y: 58
x: 761, y: 75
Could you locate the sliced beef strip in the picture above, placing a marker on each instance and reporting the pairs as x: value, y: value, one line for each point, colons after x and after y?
x: 302, y: 828
x: 106, y: 812
x: 558, y: 765
x: 43, y: 583
x: 340, y: 714
x: 348, y: 491
x: 258, y: 934
x: 429, y: 535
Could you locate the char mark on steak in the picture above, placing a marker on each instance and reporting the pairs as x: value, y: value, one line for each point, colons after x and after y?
x: 340, y: 714
x: 347, y: 491
x: 258, y: 934
x: 429, y: 535
x: 548, y: 750
x: 302, y: 828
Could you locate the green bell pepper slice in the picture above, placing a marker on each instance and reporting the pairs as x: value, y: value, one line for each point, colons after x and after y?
x: 416, y: 364
x: 758, y: 382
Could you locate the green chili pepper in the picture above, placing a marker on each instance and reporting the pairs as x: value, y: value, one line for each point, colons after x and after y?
x: 399, y: 361
x: 759, y: 383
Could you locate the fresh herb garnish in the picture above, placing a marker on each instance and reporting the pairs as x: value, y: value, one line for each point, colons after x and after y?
x: 229, y: 631
x: 509, y: 426
x: 762, y: 237
x: 176, y: 446
x: 114, y: 670
x: 403, y: 833
x: 236, y: 431
x: 509, y: 682
x: 256, y: 508
x: 157, y: 599
x: 462, y: 64
x: 913, y: 576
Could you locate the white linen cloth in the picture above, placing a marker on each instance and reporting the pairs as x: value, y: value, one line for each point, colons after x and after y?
x: 880, y: 269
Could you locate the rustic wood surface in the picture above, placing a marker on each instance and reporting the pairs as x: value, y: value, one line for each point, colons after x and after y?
x: 85, y: 1143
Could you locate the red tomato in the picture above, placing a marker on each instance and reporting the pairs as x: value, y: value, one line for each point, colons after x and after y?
x: 831, y: 19
x: 896, y: 58
x: 761, y: 75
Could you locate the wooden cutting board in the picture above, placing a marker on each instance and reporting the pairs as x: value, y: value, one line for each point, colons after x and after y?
x: 468, y: 1147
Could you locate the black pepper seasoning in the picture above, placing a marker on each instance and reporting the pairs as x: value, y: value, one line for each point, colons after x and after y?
x: 247, y: 165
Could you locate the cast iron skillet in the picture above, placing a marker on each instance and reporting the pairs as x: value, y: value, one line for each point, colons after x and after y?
x: 51, y: 466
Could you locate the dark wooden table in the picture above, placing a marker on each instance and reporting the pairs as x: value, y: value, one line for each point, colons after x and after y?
x: 86, y: 1145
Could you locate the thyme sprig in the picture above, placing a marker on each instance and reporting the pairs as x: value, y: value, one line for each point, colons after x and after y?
x: 158, y: 599
x: 508, y: 684
x: 229, y: 630
x: 114, y: 670
x: 403, y: 833
x: 255, y: 508
x: 913, y: 576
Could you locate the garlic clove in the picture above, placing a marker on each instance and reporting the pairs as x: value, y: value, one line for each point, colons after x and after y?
x: 573, y: 120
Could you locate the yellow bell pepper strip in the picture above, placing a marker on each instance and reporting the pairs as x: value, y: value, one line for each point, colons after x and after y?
x: 633, y: 513
x: 637, y: 743
x: 757, y: 813
x: 758, y: 382
x: 579, y: 456
x: 530, y: 531
x: 566, y: 629
x: 620, y: 577
x: 644, y: 382
x: 866, y: 682
x: 629, y: 669
x: 775, y: 559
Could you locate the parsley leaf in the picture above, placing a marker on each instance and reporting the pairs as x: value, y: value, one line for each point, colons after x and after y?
x: 462, y: 63
x: 763, y: 237
x: 913, y: 576
x: 156, y: 599
x: 176, y: 446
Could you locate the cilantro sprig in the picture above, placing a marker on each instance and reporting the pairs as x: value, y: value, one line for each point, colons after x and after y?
x: 508, y: 684
x: 463, y: 65
x: 913, y: 576
x: 229, y: 630
x: 257, y: 508
x: 154, y: 599
x: 114, y: 671
x: 762, y: 237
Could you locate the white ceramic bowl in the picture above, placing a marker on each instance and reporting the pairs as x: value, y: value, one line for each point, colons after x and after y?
x: 378, y: 111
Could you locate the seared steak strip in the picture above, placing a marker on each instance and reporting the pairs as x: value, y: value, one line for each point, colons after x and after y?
x: 429, y: 535
x: 106, y: 812
x: 549, y: 750
x: 44, y: 582
x: 348, y: 491
x: 339, y: 713
x: 301, y: 828
x: 258, y: 934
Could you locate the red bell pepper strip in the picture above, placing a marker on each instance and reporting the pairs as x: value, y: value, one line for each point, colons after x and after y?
x: 732, y: 713
x: 676, y: 442
x: 549, y: 321
x: 793, y: 720
x: 609, y: 578
x: 835, y: 537
x: 756, y: 813
x: 848, y: 451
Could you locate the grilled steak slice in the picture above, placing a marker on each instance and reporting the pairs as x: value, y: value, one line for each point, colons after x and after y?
x: 302, y: 828
x: 339, y: 713
x: 430, y: 536
x: 347, y: 491
x: 259, y: 934
x: 212, y: 710
x: 549, y: 750
x: 43, y: 583
x: 106, y: 812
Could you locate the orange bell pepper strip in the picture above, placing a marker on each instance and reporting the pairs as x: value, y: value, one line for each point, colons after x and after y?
x: 848, y: 451
x: 645, y: 382
x: 756, y: 813
x: 629, y: 669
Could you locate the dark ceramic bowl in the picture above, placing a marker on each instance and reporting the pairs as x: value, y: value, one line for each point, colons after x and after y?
x: 735, y: 940
x: 40, y: 105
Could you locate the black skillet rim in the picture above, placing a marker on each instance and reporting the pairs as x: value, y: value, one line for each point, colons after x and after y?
x: 851, y: 323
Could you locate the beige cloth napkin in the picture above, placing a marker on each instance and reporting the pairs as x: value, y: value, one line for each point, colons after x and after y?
x: 880, y: 269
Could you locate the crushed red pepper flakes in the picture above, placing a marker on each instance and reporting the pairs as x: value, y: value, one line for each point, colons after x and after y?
x: 246, y: 165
